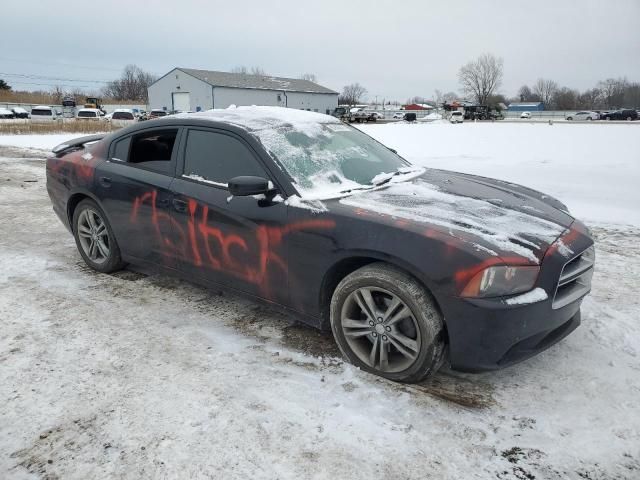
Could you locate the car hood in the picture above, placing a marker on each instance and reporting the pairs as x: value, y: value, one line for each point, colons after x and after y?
x: 496, y: 217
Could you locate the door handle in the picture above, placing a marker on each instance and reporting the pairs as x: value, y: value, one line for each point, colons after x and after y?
x: 179, y: 205
x: 105, y: 181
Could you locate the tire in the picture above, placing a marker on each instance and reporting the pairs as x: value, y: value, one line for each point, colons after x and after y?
x: 91, y: 227
x: 569, y: 118
x: 629, y: 119
x: 589, y: 119
x: 405, y: 328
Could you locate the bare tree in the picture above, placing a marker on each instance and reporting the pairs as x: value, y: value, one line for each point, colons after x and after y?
x: 352, y: 94
x: 244, y: 70
x: 481, y: 77
x: 132, y: 85
x: 309, y: 76
x: 613, y: 91
x: 58, y: 93
x: 4, y: 85
x: 566, y: 99
x: 545, y: 89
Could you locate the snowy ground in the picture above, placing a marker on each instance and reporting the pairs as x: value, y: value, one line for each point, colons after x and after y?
x: 134, y: 376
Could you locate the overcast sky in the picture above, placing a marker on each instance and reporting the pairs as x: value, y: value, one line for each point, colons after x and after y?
x: 396, y: 49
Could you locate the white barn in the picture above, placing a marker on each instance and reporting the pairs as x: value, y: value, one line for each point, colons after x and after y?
x: 187, y: 89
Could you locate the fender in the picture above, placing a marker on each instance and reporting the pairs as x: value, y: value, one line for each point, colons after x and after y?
x: 81, y: 192
x: 358, y: 258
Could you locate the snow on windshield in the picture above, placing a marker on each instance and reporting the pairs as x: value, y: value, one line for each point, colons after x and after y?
x: 322, y: 155
x: 419, y: 201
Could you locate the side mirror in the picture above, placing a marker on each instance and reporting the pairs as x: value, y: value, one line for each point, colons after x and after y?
x: 246, y: 185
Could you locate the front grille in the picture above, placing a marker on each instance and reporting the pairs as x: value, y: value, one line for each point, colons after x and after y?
x: 575, y: 279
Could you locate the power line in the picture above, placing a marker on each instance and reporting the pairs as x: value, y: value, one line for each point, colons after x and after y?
x: 41, y: 77
x: 53, y: 84
x: 39, y: 62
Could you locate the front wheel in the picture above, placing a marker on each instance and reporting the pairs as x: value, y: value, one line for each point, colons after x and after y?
x: 95, y: 239
x: 386, y: 323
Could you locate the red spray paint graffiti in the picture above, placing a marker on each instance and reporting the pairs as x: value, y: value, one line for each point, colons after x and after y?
x: 249, y: 257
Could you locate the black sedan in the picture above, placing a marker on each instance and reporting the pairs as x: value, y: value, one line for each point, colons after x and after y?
x: 408, y: 266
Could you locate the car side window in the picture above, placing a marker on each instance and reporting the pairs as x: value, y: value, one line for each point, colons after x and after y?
x: 153, y: 149
x: 218, y: 157
x: 121, y: 150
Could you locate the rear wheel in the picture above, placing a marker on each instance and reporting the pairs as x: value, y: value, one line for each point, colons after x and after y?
x: 386, y: 323
x: 629, y: 119
x: 94, y: 238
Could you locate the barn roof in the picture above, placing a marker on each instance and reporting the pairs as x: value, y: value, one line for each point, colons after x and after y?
x: 260, y: 82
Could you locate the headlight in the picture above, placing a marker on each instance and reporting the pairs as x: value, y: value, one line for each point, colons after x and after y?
x: 499, y: 281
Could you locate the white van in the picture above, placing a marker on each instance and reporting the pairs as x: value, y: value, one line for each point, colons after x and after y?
x: 43, y: 113
x: 89, y: 114
x: 121, y: 117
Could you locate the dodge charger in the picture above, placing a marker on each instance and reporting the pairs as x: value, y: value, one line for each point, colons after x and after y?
x: 409, y: 267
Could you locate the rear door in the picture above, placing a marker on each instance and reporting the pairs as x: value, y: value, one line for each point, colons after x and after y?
x: 133, y: 186
x: 239, y: 242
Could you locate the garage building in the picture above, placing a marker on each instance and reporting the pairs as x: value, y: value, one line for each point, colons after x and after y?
x: 187, y: 89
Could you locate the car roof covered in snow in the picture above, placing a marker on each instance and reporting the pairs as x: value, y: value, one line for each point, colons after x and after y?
x: 41, y: 107
x: 260, y: 118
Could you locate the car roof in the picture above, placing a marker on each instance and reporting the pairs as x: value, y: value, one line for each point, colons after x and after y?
x: 255, y: 118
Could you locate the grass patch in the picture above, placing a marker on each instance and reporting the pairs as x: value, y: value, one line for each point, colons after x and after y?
x: 27, y: 127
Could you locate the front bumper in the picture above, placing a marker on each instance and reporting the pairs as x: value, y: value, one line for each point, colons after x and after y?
x: 487, y: 334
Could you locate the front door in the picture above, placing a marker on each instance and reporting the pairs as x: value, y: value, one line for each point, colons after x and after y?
x: 238, y: 242
x: 133, y: 186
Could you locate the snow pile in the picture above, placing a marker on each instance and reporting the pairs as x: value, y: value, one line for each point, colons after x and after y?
x: 535, y: 295
x: 39, y: 142
x: 420, y: 201
x: 593, y: 168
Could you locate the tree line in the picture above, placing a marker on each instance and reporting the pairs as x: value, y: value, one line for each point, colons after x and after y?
x: 480, y: 81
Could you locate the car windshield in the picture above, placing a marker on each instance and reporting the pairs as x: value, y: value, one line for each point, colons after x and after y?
x: 87, y: 114
x: 40, y: 111
x: 331, y: 158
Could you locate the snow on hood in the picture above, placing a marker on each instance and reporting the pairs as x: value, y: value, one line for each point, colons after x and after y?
x: 495, y: 226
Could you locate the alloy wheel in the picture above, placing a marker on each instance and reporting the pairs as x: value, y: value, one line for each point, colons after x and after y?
x: 380, y: 329
x: 93, y: 236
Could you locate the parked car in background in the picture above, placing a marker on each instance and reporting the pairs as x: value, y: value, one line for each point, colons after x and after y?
x: 409, y: 117
x: 456, y: 117
x: 5, y: 113
x: 122, y: 117
x: 20, y: 112
x: 525, y: 115
x: 90, y: 114
x: 398, y: 115
x: 408, y: 267
x: 583, y: 116
x: 43, y: 113
x: 157, y: 113
x: 377, y: 115
x: 621, y: 114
